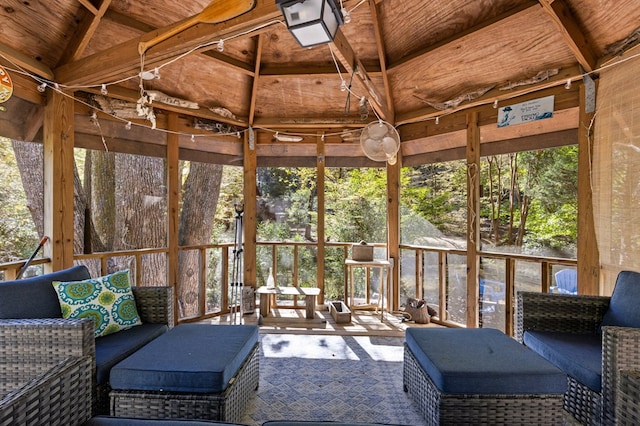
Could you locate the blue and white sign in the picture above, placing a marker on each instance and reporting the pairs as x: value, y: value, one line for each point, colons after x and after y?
x: 537, y: 109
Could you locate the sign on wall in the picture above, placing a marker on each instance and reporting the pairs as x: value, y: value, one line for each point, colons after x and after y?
x: 6, y: 86
x: 524, y: 112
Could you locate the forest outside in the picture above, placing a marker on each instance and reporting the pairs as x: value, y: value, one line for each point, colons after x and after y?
x: 528, y: 206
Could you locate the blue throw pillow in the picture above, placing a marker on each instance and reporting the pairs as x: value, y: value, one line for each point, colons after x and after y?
x: 623, y: 309
x: 107, y: 300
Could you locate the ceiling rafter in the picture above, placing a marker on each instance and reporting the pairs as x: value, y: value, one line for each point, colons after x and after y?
x: 259, y: 40
x: 382, y: 57
x: 124, y: 59
x: 220, y: 57
x: 23, y: 61
x: 347, y: 56
x: 573, y: 36
x: 90, y: 7
x: 85, y: 30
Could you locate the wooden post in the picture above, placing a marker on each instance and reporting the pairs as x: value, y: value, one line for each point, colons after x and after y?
x: 588, y: 255
x: 250, y: 211
x: 58, y: 179
x: 173, y: 201
x: 473, y: 216
x: 320, y: 225
x: 393, y: 229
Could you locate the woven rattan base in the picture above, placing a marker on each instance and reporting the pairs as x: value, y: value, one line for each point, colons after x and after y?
x: 226, y: 406
x: 628, y: 398
x: 439, y: 408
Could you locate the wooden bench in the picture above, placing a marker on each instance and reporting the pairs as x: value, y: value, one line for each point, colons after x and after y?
x: 309, y: 293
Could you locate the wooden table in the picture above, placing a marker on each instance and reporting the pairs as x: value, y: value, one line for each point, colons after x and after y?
x: 309, y: 293
x: 385, y: 268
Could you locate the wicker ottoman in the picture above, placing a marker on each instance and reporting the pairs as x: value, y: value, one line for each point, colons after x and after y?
x: 480, y: 376
x: 194, y: 371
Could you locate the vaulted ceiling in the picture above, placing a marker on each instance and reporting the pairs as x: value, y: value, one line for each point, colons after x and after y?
x: 419, y: 64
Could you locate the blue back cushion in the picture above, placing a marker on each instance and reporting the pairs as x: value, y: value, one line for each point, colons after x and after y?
x: 35, y: 297
x: 623, y: 309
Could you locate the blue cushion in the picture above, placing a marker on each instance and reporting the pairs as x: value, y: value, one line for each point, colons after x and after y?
x: 623, y: 308
x: 316, y: 423
x: 194, y: 358
x: 578, y: 355
x: 113, y: 348
x: 35, y: 297
x: 127, y: 421
x: 482, y: 361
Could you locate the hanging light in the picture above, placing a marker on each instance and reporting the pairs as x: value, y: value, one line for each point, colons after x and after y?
x: 311, y: 22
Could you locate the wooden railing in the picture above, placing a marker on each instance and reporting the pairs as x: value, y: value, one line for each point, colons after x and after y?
x: 436, y: 274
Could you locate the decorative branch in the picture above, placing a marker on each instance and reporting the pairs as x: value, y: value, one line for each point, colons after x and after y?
x: 453, y: 103
x: 541, y: 76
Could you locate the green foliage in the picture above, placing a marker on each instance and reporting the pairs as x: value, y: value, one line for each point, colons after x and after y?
x: 17, y: 230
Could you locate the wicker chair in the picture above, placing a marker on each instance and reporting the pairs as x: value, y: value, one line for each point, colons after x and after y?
x: 44, y: 385
x: 46, y: 341
x: 578, y: 314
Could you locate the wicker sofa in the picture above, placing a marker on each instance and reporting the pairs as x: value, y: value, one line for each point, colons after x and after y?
x: 591, y: 338
x: 32, y: 329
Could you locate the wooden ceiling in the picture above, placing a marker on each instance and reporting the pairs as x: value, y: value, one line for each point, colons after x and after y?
x: 407, y: 57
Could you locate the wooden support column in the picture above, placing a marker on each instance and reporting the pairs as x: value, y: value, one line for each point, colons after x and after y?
x: 58, y: 180
x: 321, y: 212
x: 173, y: 203
x: 473, y: 216
x: 588, y: 255
x: 250, y: 210
x: 393, y: 228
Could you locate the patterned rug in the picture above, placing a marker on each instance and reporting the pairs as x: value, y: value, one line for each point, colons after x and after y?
x: 337, y: 378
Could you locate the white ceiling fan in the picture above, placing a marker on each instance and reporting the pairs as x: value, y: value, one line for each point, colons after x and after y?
x: 380, y: 141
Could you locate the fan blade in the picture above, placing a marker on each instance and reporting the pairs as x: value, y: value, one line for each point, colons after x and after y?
x: 216, y: 11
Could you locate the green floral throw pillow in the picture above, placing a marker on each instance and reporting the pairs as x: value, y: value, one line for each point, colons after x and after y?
x: 107, y: 300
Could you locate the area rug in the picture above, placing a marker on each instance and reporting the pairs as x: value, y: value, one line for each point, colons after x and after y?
x: 336, y: 378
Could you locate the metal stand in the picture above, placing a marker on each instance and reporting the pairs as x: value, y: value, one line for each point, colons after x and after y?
x: 235, y: 301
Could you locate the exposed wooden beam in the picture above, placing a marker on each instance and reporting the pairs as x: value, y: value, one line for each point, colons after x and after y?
x: 347, y: 56
x: 124, y: 59
x: 559, y: 12
x: 226, y: 60
x: 382, y: 57
x: 33, y: 123
x: 84, y: 32
x: 256, y: 78
x: 23, y: 61
x: 128, y: 21
x: 90, y: 7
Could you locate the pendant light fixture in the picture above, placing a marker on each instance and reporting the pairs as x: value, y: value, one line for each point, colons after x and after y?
x: 311, y: 22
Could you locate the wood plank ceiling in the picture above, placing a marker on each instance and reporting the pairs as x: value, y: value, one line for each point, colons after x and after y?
x: 412, y: 60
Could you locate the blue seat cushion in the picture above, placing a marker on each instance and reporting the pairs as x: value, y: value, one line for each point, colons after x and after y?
x: 482, y: 361
x: 128, y: 421
x: 578, y: 355
x: 623, y: 308
x: 113, y: 348
x: 35, y: 297
x: 193, y: 358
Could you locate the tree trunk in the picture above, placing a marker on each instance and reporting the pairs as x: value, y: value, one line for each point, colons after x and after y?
x: 199, y: 202
x: 100, y: 178
x: 513, y: 189
x: 141, y: 214
x: 30, y: 161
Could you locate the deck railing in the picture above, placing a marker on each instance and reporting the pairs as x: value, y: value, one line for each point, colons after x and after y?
x: 435, y: 274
